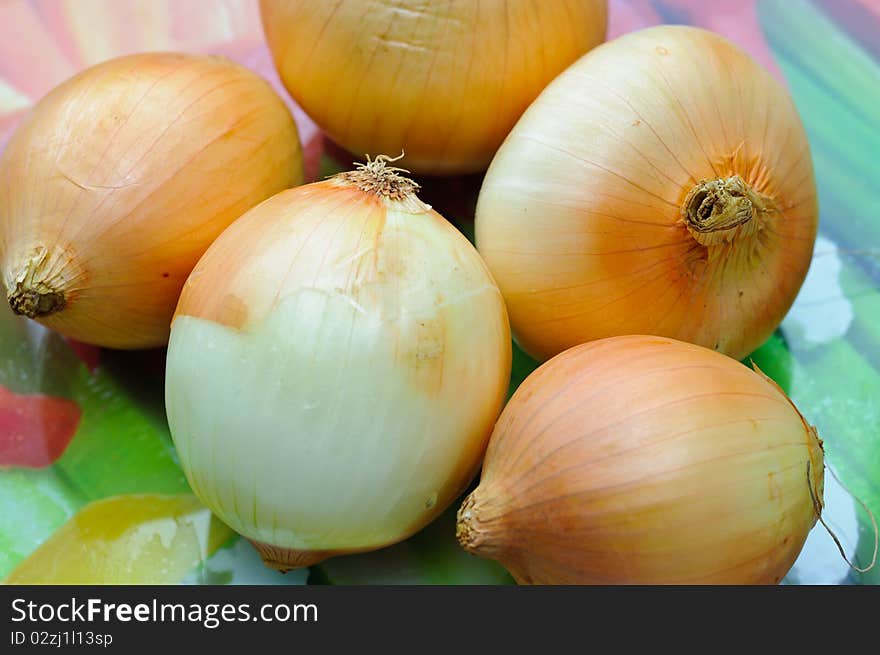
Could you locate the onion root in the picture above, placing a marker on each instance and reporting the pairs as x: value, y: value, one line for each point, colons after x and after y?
x: 377, y: 177
x: 284, y: 560
x: 38, y: 289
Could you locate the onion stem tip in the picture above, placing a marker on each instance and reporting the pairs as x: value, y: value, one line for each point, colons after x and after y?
x: 719, y: 206
x: 466, y: 528
x: 377, y: 177
x: 35, y: 303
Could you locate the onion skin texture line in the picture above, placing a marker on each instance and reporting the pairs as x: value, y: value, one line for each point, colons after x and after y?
x: 661, y: 185
x: 336, y: 364
x: 443, y: 82
x: 645, y: 460
x: 119, y: 179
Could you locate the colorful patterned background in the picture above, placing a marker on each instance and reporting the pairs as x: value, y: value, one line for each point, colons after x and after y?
x: 90, y: 489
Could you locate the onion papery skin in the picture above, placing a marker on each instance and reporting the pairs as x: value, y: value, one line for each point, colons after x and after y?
x: 645, y: 460
x: 336, y: 364
x: 443, y: 82
x: 119, y: 179
x: 582, y: 216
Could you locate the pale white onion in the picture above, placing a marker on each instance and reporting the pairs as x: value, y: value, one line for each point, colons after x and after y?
x: 336, y: 364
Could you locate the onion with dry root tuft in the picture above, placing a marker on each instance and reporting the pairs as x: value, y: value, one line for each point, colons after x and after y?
x: 661, y: 185
x: 336, y: 363
x: 120, y: 178
x: 644, y: 460
x: 442, y: 81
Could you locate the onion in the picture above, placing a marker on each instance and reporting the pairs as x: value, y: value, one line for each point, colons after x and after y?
x: 112, y: 188
x: 660, y: 185
x: 645, y: 460
x: 443, y: 81
x: 336, y: 363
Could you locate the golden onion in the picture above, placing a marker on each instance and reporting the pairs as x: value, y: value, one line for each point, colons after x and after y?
x: 442, y: 81
x: 117, y: 181
x: 645, y: 460
x: 661, y: 185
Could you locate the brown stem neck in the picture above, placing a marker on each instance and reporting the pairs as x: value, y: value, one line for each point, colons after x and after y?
x: 477, y: 526
x: 37, y: 286
x: 466, y: 527
x: 721, y: 210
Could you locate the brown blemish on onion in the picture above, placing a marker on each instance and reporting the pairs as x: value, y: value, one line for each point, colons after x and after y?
x: 815, y: 448
x: 232, y: 312
x: 775, y: 490
x: 429, y: 353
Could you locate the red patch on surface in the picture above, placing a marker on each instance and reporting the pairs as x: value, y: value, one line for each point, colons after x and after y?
x: 88, y: 355
x: 35, y: 429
